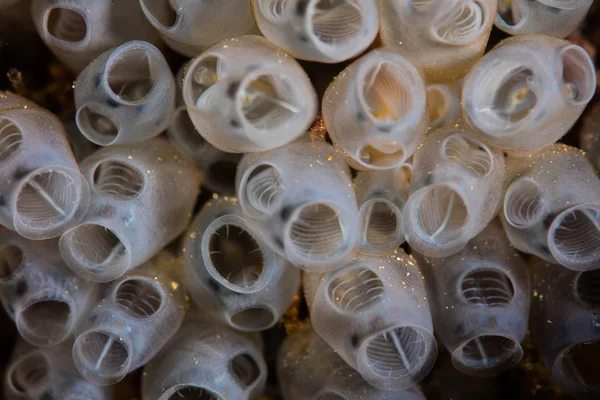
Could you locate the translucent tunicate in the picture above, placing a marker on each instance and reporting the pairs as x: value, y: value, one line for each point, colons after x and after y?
x: 444, y: 37
x: 527, y: 92
x: 456, y: 189
x: 550, y: 17
x: 42, y: 193
x: 300, y: 199
x: 375, y: 314
x: 78, y: 31
x: 246, y: 95
x: 381, y: 197
x: 565, y: 312
x: 480, y: 303
x: 126, y: 95
x: 552, y: 207
x: 39, y: 292
x: 231, y: 272
x: 308, y: 369
x: 136, y: 317
x: 376, y: 110
x: 142, y: 198
x: 191, y: 26
x: 48, y: 373
x: 206, y: 361
x: 327, y: 31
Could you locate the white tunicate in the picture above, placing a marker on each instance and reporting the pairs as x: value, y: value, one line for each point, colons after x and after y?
x: 327, y: 31
x: 246, y: 95
x: 126, y: 95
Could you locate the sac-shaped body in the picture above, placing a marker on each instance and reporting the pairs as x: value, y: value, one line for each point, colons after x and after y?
x: 136, y: 317
x: 374, y: 313
x: 218, y: 167
x: 39, y: 292
x: 300, y: 199
x: 549, y: 17
x: 309, y: 369
x: 480, y: 303
x: 552, y: 207
x: 246, y: 95
x: 564, y: 322
x: 232, y: 274
x: 205, y: 360
x: 527, y: 92
x: 444, y: 37
x: 456, y: 189
x: 381, y: 197
x: 48, y: 373
x: 42, y: 193
x: 142, y: 198
x: 324, y: 31
x: 376, y: 110
x: 78, y: 31
x: 191, y: 26
x: 126, y: 95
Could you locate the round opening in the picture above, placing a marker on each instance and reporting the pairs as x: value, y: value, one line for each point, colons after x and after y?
x: 337, y: 23
x: 523, y: 206
x: 355, y: 290
x: 44, y: 322
x: 132, y: 73
x: 66, y: 24
x: 10, y: 138
x: 245, y: 369
x: 98, y: 128
x: 11, y: 258
x: 376, y: 158
x: 574, y: 236
x: 515, y: 98
x: 316, y: 233
x: 189, y: 392
x: 468, y: 153
x: 442, y: 214
x: 579, y: 364
x: 29, y: 374
x: 161, y: 11
x: 578, y: 74
x: 506, y: 14
x: 489, y: 288
x: 463, y: 24
x: 138, y: 298
x: 253, y: 319
x: 101, y: 357
x: 264, y: 189
x: 95, y: 252
x: 118, y: 179
x: 236, y: 256
x: 202, y: 77
x: 491, y: 354
x: 270, y: 101
x: 397, y: 352
x: 380, y: 223
x: 47, y: 199
x: 587, y: 287
x: 385, y: 94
